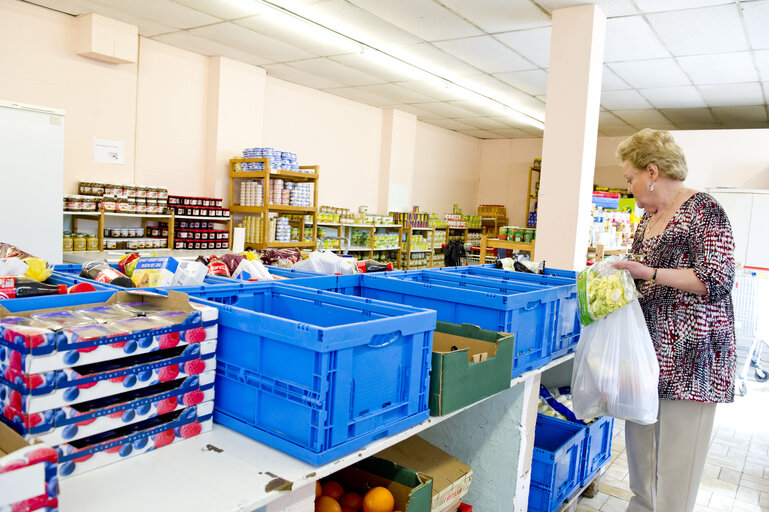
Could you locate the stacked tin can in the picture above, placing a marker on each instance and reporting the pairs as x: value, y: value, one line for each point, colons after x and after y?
x: 251, y: 193
x: 282, y: 230
x: 301, y: 194
x: 253, y: 226
x: 279, y: 160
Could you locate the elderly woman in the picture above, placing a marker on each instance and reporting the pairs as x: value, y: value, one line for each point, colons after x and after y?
x: 684, y: 276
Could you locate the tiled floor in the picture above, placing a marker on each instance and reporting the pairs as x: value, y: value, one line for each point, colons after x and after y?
x: 736, y: 477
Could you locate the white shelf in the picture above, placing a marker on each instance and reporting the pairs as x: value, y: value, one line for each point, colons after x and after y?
x: 420, y: 250
x: 217, y: 471
x: 396, y: 248
x: 194, y: 217
x: 83, y: 214
x: 329, y: 224
x: 421, y: 229
x: 359, y: 248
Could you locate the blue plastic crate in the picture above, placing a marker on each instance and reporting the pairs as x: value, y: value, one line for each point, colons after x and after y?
x: 71, y: 271
x: 317, y: 374
x: 556, y: 462
x: 597, y: 448
x: 525, y: 310
x: 568, y: 327
x: 56, y: 301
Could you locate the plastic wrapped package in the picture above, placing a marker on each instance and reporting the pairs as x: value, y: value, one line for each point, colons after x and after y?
x: 326, y: 262
x: 616, y: 372
x: 252, y: 270
x: 285, y: 258
x: 603, y: 289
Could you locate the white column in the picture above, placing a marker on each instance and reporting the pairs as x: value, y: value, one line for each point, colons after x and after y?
x: 396, y: 174
x: 571, y: 132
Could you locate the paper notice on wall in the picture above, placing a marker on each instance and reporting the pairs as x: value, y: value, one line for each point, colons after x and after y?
x: 108, y: 151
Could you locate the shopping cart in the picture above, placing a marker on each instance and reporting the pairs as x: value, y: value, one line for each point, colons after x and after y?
x: 750, y: 296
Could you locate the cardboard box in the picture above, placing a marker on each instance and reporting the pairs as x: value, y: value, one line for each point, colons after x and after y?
x: 27, y: 473
x: 36, y: 350
x: 131, y: 440
x: 456, y: 379
x: 36, y: 393
x: 71, y: 423
x: 411, y: 489
x: 451, y: 478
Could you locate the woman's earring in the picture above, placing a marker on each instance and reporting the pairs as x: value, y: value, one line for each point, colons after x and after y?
x: 651, y: 186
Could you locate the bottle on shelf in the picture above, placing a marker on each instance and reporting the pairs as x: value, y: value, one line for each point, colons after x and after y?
x: 368, y: 266
x: 21, y: 286
x: 103, y: 273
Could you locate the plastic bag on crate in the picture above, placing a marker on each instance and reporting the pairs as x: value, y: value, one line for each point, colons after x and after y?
x: 252, y: 269
x: 325, y: 262
x: 616, y: 372
x: 603, y: 289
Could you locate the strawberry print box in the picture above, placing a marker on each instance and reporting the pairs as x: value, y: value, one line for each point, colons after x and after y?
x: 128, y: 324
x: 28, y: 474
x: 86, y: 419
x: 99, y: 450
x: 70, y: 386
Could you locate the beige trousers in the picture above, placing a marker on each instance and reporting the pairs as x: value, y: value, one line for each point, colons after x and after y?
x: 666, y: 459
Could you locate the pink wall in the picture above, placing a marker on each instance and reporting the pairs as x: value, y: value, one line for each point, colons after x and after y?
x: 342, y: 136
x: 171, y: 118
x: 38, y: 65
x: 445, y: 170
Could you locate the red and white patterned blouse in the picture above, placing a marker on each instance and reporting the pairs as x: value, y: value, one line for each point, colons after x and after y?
x: 693, y: 335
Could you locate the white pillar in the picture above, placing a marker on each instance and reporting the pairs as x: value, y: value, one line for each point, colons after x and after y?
x: 396, y: 174
x: 571, y: 133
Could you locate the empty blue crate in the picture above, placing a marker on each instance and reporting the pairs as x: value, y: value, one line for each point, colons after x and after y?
x: 597, y: 448
x: 556, y: 463
x: 568, y: 327
x: 317, y: 374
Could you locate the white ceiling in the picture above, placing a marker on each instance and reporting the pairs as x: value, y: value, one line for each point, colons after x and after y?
x: 669, y: 64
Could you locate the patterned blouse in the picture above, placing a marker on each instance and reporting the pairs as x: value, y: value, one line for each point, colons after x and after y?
x: 693, y: 335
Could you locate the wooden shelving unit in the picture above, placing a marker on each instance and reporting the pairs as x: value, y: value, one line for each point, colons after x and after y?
x: 532, y: 195
x: 408, y: 252
x: 267, y: 176
x: 369, y: 251
x: 491, y: 243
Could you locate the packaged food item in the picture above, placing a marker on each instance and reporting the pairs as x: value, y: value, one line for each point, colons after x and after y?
x: 12, y: 267
x: 62, y: 319
x: 141, y: 308
x: 154, y: 271
x: 103, y: 273
x: 217, y: 268
x: 603, y: 289
x: 103, y: 314
x: 127, y: 263
x: 20, y: 286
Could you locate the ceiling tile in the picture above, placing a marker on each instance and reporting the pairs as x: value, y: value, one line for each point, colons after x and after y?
x: 210, y: 48
x: 332, y: 70
x: 650, y: 6
x: 424, y: 18
x: 609, y: 7
x: 623, y: 100
x: 73, y: 7
x: 483, y: 123
x: 163, y: 12
x: 250, y: 41
x: 225, y: 9
x: 512, y: 133
x: 651, y: 73
x: 533, y: 44
x: 499, y: 15
x: 355, y: 94
x: 480, y: 134
x: 754, y: 116
x: 532, y: 82
x: 623, y: 37
x: 756, y: 16
x: 397, y: 93
x: 605, y: 117
x: 430, y: 57
x: 433, y: 89
x: 511, y: 122
x: 147, y: 26
x: 617, y: 130
x: 701, y: 31
x: 766, y: 89
x: 642, y: 118
x: 722, y: 68
x: 762, y: 62
x: 448, y: 110
x: 486, y: 54
x: 610, y: 81
x: 673, y: 97
x: 306, y: 36
x: 353, y: 21
x: 421, y: 113
x: 478, y: 109
x: 449, y: 124
x: 732, y: 94
x: 680, y: 116
x: 495, y: 88
x: 297, y: 76
x: 700, y: 126
x: 365, y: 63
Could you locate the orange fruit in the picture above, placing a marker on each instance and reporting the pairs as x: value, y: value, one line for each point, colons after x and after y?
x: 333, y: 489
x: 352, y: 500
x: 327, y: 504
x: 378, y: 499
x: 318, y: 489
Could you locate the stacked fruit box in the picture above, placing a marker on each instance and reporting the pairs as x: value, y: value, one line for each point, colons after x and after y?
x: 105, y: 381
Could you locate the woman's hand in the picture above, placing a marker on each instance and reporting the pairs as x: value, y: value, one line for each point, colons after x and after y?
x: 636, y: 269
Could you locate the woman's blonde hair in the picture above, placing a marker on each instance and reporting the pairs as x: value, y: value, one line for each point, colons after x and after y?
x: 654, y: 146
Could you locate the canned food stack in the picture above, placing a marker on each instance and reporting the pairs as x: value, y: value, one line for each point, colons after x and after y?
x: 117, y: 198
x: 278, y: 160
x: 385, y: 241
x: 251, y: 193
x: 108, y: 381
x: 516, y: 234
x: 301, y: 194
x: 282, y: 229
x: 254, y: 229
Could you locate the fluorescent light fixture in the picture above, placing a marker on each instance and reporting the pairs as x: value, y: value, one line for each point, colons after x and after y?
x: 300, y: 28
x: 314, y: 24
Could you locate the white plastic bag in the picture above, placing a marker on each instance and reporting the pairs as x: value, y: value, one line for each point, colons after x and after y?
x: 189, y: 273
x: 252, y: 269
x: 325, y: 262
x: 616, y: 372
